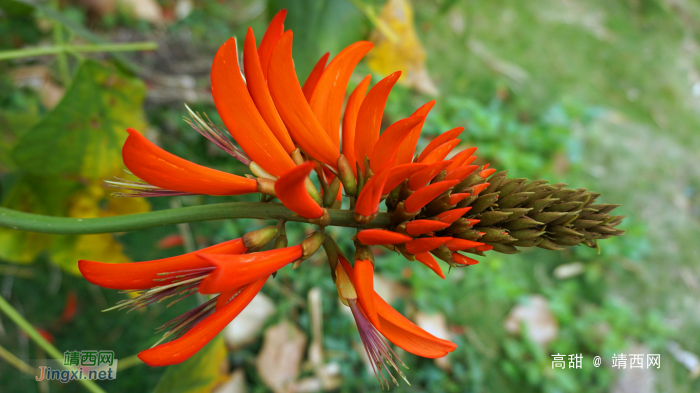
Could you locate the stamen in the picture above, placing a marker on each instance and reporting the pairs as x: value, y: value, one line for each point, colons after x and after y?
x: 378, y: 351
x: 220, y: 138
x: 140, y: 189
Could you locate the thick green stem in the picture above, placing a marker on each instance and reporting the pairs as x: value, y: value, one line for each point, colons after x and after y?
x: 33, y: 334
x: 81, y: 226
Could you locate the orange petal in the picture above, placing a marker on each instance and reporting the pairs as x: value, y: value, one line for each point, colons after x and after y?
x: 426, y: 194
x: 314, y: 76
x: 399, y: 173
x: 181, y: 349
x: 439, y: 140
x: 453, y: 215
x: 408, y: 146
x: 479, y: 187
x: 327, y: 101
x: 456, y: 198
x: 441, y: 152
x: 425, y: 244
x: 142, y: 275
x: 350, y: 120
x: 463, y: 260
x: 388, y: 143
x: 460, y: 159
x: 235, y: 271
x: 162, y: 169
x: 461, y: 173
x: 272, y: 34
x: 290, y: 188
x: 369, y: 118
x: 241, y: 116
x: 402, y: 332
x: 373, y: 237
x: 421, y: 227
x: 461, y: 244
x: 292, y: 106
x: 487, y: 172
x: 257, y: 87
x: 485, y: 247
x: 371, y: 194
x: 428, y: 260
x: 225, y: 297
x: 364, y: 284
x: 421, y: 178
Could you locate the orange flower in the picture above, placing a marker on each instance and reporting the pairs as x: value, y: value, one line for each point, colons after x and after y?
x: 282, y: 132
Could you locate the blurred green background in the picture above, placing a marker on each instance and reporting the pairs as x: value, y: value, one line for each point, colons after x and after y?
x: 597, y: 94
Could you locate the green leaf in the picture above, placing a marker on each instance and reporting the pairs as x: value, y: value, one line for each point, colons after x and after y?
x: 321, y: 26
x: 83, y: 135
x: 200, y: 373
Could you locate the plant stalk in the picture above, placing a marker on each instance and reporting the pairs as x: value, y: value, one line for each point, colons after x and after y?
x: 82, y: 226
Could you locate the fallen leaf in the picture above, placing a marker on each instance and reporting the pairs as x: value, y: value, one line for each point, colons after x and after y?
x: 533, y: 313
x: 235, y: 384
x: 247, y: 326
x: 38, y: 78
x: 148, y: 10
x: 279, y: 360
x: 687, y: 359
x: 635, y: 380
x: 568, y: 270
x: 397, y: 48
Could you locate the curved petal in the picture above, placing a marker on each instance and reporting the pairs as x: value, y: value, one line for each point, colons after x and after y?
x: 425, y: 244
x: 371, y: 194
x: 461, y: 173
x: 162, y: 169
x: 388, y: 143
x: 327, y: 100
x: 373, y: 237
x: 421, y: 227
x: 399, y: 173
x: 402, y: 332
x: 290, y: 188
x: 461, y: 244
x: 350, y: 120
x: 364, y: 285
x: 369, y: 118
x: 241, y: 116
x: 456, y: 198
x: 441, y: 152
x: 181, y: 349
x: 234, y: 271
x: 463, y: 260
x: 272, y: 34
x: 427, y: 259
x: 257, y: 87
x: 142, y: 275
x: 453, y: 215
x: 439, y: 140
x: 292, y: 106
x: 408, y: 146
x: 460, y: 159
x: 487, y: 172
x: 426, y: 194
x: 314, y: 76
x: 420, y: 179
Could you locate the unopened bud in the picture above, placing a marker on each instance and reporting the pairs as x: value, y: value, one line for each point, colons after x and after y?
x: 521, y: 223
x: 331, y: 193
x: 495, y: 182
x: 346, y: 291
x: 505, y: 248
x: 256, y: 240
x: 511, y: 186
x: 309, y: 247
x: 493, y: 217
x: 514, y: 199
x: 297, y: 157
x: 526, y: 234
x: 484, y: 202
x: 347, y: 176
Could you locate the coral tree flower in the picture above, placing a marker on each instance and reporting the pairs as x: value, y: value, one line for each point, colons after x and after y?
x: 438, y: 202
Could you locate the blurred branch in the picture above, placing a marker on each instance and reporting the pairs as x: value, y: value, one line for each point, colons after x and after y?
x: 60, y: 49
x: 17, y: 362
x: 33, y: 334
x: 219, y: 211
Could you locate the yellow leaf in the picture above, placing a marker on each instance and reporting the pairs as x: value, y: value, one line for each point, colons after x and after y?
x: 397, y: 48
x: 68, y: 250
